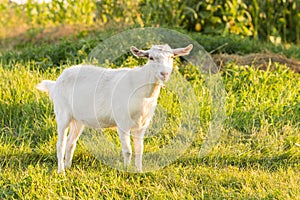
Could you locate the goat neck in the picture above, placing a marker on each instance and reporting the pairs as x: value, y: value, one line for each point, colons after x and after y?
x: 149, y: 81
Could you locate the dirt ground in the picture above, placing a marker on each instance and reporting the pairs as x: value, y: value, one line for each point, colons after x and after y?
x: 259, y: 60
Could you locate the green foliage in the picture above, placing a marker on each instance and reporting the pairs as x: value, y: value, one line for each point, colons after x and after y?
x: 162, y: 12
x: 277, y: 19
x: 219, y: 17
x: 33, y: 15
x: 269, y: 20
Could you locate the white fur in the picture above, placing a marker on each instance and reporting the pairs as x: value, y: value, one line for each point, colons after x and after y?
x: 100, y: 98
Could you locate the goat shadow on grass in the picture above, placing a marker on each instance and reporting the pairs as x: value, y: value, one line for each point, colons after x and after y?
x: 24, y: 161
x: 271, y: 164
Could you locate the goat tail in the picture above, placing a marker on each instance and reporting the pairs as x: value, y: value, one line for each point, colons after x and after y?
x: 45, y: 85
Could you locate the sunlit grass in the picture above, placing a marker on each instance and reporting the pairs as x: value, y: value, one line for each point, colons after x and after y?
x: 256, y: 157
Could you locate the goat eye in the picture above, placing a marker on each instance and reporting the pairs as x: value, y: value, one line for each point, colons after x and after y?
x: 151, y: 58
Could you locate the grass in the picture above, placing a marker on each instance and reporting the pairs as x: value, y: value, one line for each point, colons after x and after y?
x: 257, y: 156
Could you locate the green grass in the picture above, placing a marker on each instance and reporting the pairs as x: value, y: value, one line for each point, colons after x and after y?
x: 257, y: 156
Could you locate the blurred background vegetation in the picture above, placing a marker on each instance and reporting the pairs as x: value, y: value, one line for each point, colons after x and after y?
x: 276, y: 21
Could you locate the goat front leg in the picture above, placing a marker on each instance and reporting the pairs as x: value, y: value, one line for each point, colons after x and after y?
x: 138, y: 140
x: 126, y: 147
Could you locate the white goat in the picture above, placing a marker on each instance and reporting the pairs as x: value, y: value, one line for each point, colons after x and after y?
x: 100, y: 98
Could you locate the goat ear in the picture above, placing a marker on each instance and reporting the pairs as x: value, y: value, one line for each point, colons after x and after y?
x: 139, y: 53
x: 182, y: 51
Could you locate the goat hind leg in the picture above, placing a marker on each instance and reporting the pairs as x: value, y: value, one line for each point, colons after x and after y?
x: 76, y: 129
x: 62, y: 129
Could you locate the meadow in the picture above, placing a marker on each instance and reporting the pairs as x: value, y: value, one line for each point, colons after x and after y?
x: 256, y: 157
x: 257, y: 152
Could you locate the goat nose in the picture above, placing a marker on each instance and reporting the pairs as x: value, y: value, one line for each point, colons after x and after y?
x: 164, y: 74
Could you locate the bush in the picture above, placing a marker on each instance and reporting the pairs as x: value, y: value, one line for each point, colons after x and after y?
x: 269, y: 20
